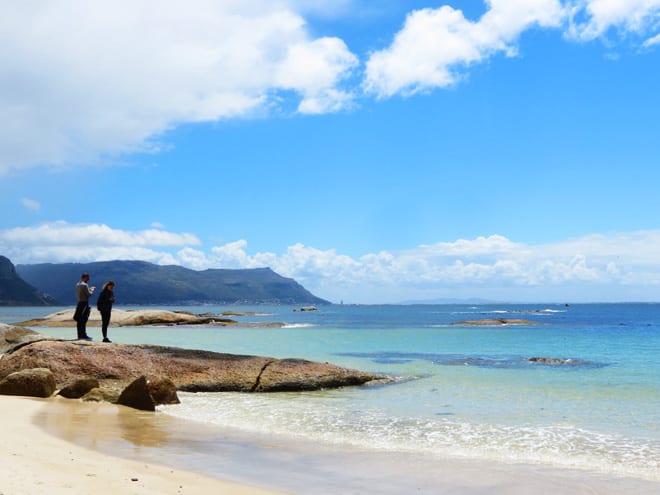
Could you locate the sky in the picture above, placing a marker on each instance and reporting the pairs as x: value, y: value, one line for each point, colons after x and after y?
x: 376, y: 151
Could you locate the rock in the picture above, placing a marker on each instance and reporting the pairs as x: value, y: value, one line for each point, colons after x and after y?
x: 496, y: 322
x: 101, y: 394
x: 147, y: 392
x: 78, y: 388
x: 117, y: 365
x: 306, y: 308
x: 137, y: 396
x: 162, y: 390
x: 554, y: 361
x: 121, y: 317
x: 299, y: 374
x: 94, y: 395
x: 11, y: 335
x: 37, y: 382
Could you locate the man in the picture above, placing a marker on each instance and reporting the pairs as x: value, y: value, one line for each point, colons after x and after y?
x: 83, y: 293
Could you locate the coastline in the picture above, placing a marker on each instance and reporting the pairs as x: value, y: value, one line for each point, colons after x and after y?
x: 59, y: 446
x: 35, y: 462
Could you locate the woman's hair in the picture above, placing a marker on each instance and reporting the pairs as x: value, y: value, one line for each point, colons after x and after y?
x: 108, y: 284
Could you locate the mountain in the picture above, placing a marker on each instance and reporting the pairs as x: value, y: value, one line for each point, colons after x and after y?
x: 14, y: 291
x: 143, y: 283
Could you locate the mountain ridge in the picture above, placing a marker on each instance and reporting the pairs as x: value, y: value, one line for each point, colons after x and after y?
x: 14, y: 291
x: 144, y: 283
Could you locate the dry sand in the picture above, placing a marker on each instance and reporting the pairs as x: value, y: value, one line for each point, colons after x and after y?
x: 33, y: 462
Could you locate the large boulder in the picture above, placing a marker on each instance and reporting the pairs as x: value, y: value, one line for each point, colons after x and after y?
x: 147, y: 392
x: 117, y: 365
x: 39, y: 382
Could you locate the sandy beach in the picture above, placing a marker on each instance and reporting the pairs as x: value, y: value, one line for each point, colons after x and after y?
x: 34, y: 462
x: 57, y: 446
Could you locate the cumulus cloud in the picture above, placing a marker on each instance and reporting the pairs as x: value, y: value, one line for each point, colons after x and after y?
x: 594, y: 18
x: 483, y: 265
x: 83, y: 82
x: 65, y: 242
x: 82, y: 79
x: 435, y: 45
x: 610, y: 264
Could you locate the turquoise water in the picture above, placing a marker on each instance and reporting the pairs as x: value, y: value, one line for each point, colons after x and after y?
x: 461, y: 391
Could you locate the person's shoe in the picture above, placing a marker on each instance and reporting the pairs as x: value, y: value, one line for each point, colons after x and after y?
x: 107, y: 341
x: 86, y: 337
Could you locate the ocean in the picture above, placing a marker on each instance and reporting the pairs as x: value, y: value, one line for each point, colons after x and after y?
x: 577, y: 390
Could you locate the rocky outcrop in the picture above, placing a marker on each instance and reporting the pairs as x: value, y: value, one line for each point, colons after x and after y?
x: 11, y: 336
x: 117, y: 365
x: 489, y: 322
x: 138, y: 317
x: 298, y: 374
x: 39, y: 382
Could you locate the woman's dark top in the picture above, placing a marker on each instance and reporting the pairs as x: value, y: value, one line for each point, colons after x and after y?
x: 104, y: 302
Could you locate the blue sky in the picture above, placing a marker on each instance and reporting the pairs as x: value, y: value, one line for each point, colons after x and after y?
x: 375, y: 151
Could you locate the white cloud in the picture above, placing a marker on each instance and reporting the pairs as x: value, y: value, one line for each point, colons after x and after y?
x: 625, y: 15
x: 61, y: 241
x: 655, y: 40
x: 82, y: 79
x: 435, y: 45
x: 31, y: 204
x: 82, y: 82
x: 485, y: 265
x: 611, y: 266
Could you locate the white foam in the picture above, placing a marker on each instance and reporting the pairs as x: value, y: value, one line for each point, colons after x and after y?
x: 323, y: 418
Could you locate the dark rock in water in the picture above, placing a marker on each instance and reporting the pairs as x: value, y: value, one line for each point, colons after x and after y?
x: 78, y: 388
x: 162, y: 390
x: 37, y: 382
x: 117, y: 365
x: 555, y: 361
x: 490, y: 322
x: 147, y: 392
x: 137, y: 396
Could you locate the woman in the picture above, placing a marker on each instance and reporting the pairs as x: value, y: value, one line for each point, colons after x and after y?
x: 104, y: 305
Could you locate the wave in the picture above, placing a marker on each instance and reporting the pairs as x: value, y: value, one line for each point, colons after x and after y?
x: 314, y: 418
x: 299, y: 325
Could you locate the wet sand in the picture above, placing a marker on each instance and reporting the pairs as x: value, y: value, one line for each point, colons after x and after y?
x: 35, y: 462
x: 59, y: 446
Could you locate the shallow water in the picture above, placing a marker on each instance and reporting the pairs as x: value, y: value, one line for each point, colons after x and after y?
x: 463, y: 392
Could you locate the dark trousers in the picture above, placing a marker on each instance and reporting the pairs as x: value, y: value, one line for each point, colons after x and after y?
x: 81, y: 316
x: 105, y: 321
